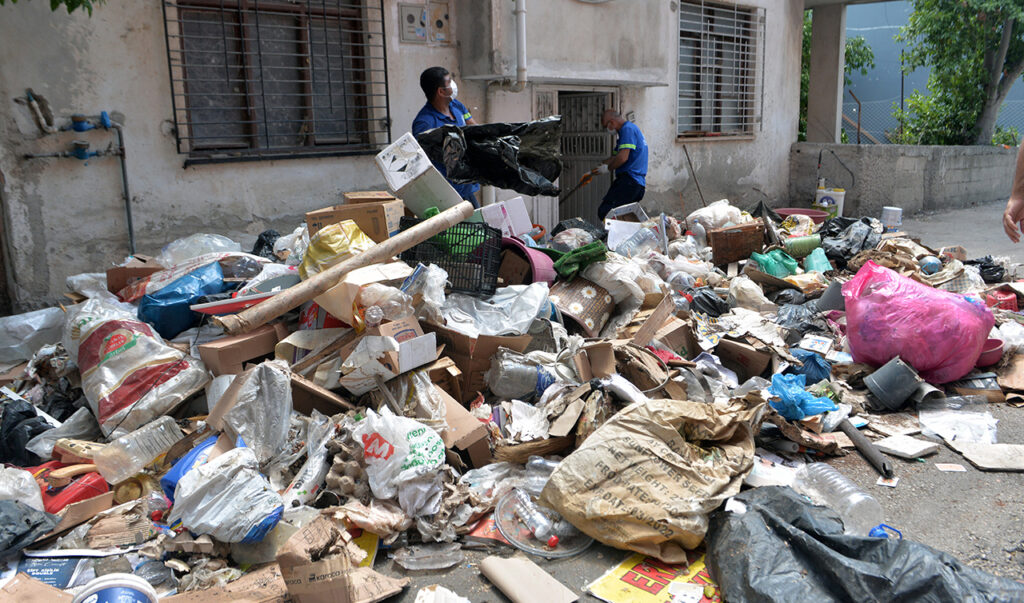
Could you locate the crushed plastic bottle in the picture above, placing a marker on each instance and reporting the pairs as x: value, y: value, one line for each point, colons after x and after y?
x: 429, y: 556
x: 859, y: 511
x: 513, y: 379
x: 539, y: 524
x: 130, y: 453
x: 538, y: 471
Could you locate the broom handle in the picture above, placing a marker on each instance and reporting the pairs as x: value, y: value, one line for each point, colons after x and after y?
x: 293, y: 297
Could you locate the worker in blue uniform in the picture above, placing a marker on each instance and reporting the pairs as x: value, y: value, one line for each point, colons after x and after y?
x: 442, y: 109
x: 629, y: 163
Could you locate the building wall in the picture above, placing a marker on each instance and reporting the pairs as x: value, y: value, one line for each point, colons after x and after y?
x: 915, y: 178
x: 63, y: 217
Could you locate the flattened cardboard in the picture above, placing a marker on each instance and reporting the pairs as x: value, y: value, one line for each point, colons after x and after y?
x: 414, y: 350
x: 263, y: 585
x: 595, y: 360
x: 378, y: 220
x: 26, y: 589
x: 227, y: 355
x: 338, y: 299
x: 655, y: 321
x: 140, y: 266
x: 307, y: 396
x: 992, y: 457
x: 367, y: 197
x: 473, y: 356
x: 1012, y: 375
x: 513, y: 269
x: 742, y: 358
x: 523, y: 581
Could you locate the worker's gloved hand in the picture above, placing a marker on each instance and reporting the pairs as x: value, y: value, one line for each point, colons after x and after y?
x: 600, y: 169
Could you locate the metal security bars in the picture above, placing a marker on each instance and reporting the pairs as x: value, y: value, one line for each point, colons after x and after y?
x: 264, y: 79
x: 721, y: 54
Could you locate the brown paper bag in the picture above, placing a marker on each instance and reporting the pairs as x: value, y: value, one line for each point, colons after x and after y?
x: 648, y: 478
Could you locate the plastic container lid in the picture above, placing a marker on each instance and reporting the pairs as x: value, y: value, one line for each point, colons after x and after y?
x: 117, y: 588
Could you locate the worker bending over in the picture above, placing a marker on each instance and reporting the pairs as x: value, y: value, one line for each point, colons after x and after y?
x: 629, y: 163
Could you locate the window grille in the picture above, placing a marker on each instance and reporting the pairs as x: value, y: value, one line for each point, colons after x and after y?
x: 721, y: 71
x: 254, y: 79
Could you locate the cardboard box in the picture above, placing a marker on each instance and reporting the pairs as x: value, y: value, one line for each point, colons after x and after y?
x: 312, y: 316
x: 140, y: 266
x: 445, y: 375
x: 513, y: 269
x: 595, y: 361
x: 367, y: 197
x: 227, y: 355
x: 678, y: 337
x: 414, y: 350
x: 742, y: 358
x: 465, y: 432
x: 510, y: 217
x: 473, y: 356
x: 378, y: 220
x: 308, y: 396
x: 338, y: 299
x: 413, y: 178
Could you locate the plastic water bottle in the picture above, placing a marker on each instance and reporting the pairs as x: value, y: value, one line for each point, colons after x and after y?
x: 538, y: 471
x: 539, y: 524
x: 699, y: 233
x: 129, y: 454
x: 859, y: 511
x: 514, y: 380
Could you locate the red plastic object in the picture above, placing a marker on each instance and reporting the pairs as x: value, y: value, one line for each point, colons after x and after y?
x: 816, y: 215
x: 1007, y: 300
x: 83, y: 487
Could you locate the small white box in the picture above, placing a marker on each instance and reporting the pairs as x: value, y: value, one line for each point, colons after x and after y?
x: 413, y: 178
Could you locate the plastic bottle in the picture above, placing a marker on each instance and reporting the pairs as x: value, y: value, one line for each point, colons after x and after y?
x: 699, y: 233
x: 538, y: 471
x: 540, y: 525
x: 129, y: 454
x: 639, y: 243
x: 859, y: 511
x: 514, y: 380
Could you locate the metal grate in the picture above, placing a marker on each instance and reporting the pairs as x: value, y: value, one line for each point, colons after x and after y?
x: 720, y: 69
x: 255, y: 79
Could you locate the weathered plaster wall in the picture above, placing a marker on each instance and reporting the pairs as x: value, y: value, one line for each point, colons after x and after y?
x: 915, y: 178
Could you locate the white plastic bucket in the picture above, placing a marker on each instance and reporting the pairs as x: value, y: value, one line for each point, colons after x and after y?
x: 892, y: 218
x: 830, y: 201
x: 117, y: 588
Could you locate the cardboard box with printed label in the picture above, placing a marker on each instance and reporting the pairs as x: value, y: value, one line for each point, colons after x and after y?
x: 379, y: 220
x: 140, y: 266
x: 413, y: 178
x: 414, y: 350
x: 473, y: 356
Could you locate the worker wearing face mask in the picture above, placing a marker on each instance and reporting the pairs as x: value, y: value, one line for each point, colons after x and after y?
x: 629, y: 163
x: 442, y: 109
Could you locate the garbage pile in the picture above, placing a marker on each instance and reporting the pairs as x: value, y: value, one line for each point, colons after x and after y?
x: 225, y: 422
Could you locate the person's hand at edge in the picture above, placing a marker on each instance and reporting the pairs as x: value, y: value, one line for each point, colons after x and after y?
x: 1013, y: 218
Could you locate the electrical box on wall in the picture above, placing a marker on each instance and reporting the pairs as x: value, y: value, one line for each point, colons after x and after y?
x: 424, y: 23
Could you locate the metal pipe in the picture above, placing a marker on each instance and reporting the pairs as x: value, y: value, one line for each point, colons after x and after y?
x: 520, y: 13
x: 124, y: 184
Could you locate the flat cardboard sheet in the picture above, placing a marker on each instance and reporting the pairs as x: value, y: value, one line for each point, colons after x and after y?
x: 25, y: 589
x: 523, y: 581
x: 992, y: 457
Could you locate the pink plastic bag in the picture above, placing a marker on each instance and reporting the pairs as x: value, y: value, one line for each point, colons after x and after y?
x: 940, y: 334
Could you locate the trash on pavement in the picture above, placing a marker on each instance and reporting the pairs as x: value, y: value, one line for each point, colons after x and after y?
x: 523, y: 581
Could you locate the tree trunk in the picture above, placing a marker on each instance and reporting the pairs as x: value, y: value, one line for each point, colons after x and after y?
x: 986, y: 124
x: 1000, y: 80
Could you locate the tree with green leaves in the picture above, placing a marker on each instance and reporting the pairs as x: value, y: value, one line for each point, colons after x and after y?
x: 71, y: 5
x: 975, y: 52
x: 859, y: 58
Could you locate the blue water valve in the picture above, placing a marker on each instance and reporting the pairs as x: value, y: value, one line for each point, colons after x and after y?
x: 80, y: 150
x: 80, y: 123
x: 105, y: 120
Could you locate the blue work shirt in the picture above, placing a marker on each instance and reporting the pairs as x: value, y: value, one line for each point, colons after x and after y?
x: 429, y: 118
x: 630, y: 137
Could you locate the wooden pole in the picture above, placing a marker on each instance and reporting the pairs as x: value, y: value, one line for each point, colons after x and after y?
x: 269, y: 309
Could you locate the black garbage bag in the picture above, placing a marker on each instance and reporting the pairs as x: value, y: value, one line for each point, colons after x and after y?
x: 264, y: 246
x: 20, y: 424
x: 799, y: 320
x: 525, y: 157
x: 761, y: 210
x: 782, y: 548
x: 834, y: 226
x: 21, y: 525
x: 991, y: 272
x: 706, y: 301
x: 855, y: 238
x: 787, y: 296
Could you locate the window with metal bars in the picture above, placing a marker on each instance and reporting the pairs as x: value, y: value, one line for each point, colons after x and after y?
x: 254, y: 79
x: 721, y: 50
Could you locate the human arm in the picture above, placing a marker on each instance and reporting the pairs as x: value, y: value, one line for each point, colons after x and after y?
x: 1013, y: 216
x: 471, y: 121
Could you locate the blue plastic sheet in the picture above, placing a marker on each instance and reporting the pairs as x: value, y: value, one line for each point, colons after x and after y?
x: 815, y: 367
x: 168, y: 309
x: 795, y: 402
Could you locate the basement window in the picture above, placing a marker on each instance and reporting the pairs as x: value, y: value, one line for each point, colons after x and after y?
x: 255, y: 79
x: 721, y: 70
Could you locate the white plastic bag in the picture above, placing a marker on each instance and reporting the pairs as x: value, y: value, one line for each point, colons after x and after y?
x: 264, y: 404
x: 510, y: 311
x: 22, y: 334
x: 745, y: 293
x: 129, y: 375
x: 1012, y: 334
x: 718, y: 214
x: 291, y: 248
x: 396, y: 450
x: 228, y: 499
x: 429, y: 281
x: 195, y: 245
x: 18, y: 484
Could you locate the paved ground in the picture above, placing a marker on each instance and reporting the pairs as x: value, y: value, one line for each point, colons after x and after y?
x: 976, y: 516
x: 978, y: 229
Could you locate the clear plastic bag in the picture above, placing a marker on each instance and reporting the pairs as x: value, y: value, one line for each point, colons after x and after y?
x: 571, y: 238
x: 264, y: 403
x: 940, y: 334
x: 959, y: 418
x: 18, y: 484
x: 129, y: 375
x: 745, y: 293
x: 510, y: 311
x: 428, y: 281
x: 182, y: 250
x: 22, y: 334
x: 228, y: 499
x: 1012, y: 334
x: 291, y: 248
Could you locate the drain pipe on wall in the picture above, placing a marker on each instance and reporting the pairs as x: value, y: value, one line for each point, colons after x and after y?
x: 488, y: 193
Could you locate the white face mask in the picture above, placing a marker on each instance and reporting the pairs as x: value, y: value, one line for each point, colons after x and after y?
x: 612, y: 130
x: 455, y: 89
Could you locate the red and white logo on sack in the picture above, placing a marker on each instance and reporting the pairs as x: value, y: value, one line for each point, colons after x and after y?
x: 374, y: 445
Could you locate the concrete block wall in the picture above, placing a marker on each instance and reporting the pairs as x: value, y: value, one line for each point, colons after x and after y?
x: 916, y: 178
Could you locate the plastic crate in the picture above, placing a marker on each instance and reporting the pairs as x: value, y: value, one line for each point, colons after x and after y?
x: 470, y: 252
